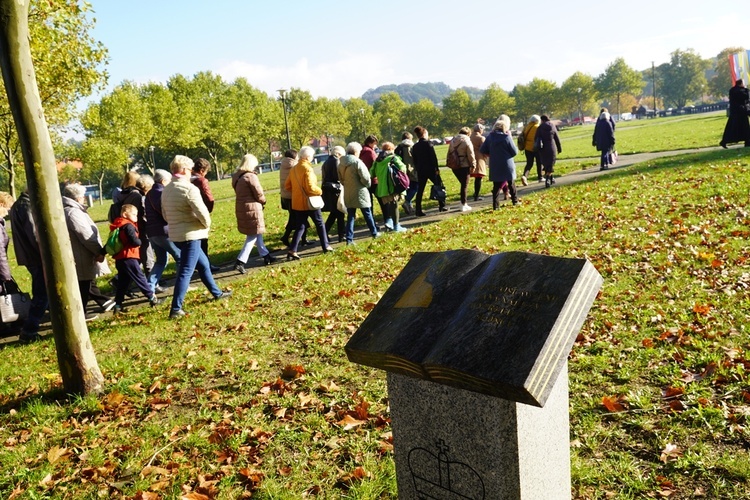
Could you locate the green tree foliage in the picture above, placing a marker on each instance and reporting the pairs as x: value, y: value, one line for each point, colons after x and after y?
x: 537, y: 98
x: 102, y: 162
x: 68, y: 64
x: 683, y: 78
x: 618, y: 79
x: 494, y: 102
x: 721, y: 81
x: 458, y: 111
x: 121, y: 119
x: 253, y: 119
x: 336, y: 119
x: 578, y: 93
x: 423, y: 113
x: 389, y: 113
x: 361, y: 119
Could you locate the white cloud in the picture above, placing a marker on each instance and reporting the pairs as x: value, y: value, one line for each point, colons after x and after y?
x: 349, y: 76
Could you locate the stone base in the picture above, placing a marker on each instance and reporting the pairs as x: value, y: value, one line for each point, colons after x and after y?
x: 452, y: 443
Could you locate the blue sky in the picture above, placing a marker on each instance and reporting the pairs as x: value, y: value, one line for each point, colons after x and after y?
x: 341, y: 49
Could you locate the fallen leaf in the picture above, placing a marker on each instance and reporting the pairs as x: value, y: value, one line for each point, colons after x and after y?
x: 55, y: 454
x: 349, y: 422
x: 671, y: 452
x: 292, y: 371
x: 612, y: 404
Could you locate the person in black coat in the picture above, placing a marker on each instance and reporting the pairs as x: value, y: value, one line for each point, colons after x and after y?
x: 737, y: 128
x: 426, y: 165
x: 547, y: 142
x: 604, y: 139
x: 331, y: 188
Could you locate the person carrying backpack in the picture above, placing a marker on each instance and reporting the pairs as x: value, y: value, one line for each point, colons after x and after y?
x: 385, y: 192
x: 127, y: 260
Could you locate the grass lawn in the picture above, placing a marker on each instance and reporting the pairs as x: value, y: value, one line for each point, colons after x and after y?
x: 254, y: 396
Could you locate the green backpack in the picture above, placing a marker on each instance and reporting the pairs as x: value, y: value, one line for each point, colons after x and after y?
x: 114, y: 244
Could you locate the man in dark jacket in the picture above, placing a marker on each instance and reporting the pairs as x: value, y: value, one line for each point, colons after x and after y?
x: 27, y: 254
x: 737, y: 128
x: 426, y: 164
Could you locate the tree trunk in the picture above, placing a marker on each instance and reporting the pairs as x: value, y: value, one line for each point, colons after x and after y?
x: 75, y: 355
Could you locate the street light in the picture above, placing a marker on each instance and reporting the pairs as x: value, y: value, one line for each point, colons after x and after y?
x: 282, y: 92
x: 362, y: 112
x: 390, y: 132
x: 151, y: 151
x: 580, y: 118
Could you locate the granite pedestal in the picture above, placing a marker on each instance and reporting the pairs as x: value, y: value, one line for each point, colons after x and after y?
x: 452, y: 443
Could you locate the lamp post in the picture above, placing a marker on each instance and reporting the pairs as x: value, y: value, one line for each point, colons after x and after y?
x: 580, y: 118
x: 653, y: 84
x: 362, y: 112
x: 282, y: 93
x: 151, y: 152
x: 390, y: 132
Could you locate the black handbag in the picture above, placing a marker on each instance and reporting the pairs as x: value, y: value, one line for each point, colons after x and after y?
x: 437, y: 192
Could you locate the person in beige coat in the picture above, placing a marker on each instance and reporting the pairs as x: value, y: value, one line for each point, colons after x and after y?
x: 466, y: 162
x: 248, y: 209
x: 477, y: 139
x: 189, y: 221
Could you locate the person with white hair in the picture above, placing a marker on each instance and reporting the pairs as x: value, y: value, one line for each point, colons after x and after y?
x: 248, y: 209
x: 189, y: 222
x: 355, y: 178
x: 88, y: 251
x: 157, y: 230
x: 303, y: 183
x: 501, y: 148
x: 331, y: 190
x: 604, y: 139
x: 528, y: 136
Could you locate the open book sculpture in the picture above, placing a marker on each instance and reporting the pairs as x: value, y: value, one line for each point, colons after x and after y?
x: 501, y: 325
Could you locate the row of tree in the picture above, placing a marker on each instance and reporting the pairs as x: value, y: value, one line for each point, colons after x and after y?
x: 205, y: 115
x: 145, y: 125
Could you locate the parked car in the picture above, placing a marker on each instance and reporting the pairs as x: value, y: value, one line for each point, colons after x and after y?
x: 320, y: 157
x: 586, y: 120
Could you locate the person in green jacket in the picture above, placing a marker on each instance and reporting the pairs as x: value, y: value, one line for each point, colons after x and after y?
x: 385, y: 190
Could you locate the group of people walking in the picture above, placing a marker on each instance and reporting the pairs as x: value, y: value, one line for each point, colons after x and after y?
x: 169, y: 214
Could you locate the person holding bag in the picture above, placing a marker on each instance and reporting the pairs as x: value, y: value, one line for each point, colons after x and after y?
x: 306, y: 201
x: 385, y: 192
x: 7, y: 283
x: 332, y: 192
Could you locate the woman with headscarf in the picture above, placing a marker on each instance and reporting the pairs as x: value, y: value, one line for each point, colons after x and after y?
x: 604, y: 139
x: 547, y: 142
x: 501, y: 148
x: 248, y: 208
x: 303, y: 183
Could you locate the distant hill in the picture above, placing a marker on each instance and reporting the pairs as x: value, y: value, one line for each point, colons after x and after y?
x: 414, y: 92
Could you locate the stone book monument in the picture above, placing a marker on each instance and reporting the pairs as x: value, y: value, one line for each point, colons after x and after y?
x: 475, y: 348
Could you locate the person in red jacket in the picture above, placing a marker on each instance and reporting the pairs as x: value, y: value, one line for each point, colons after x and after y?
x: 127, y: 260
x: 201, y: 167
